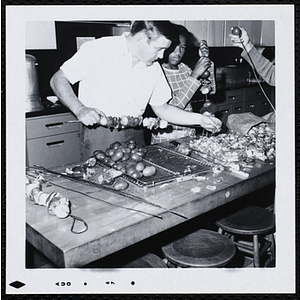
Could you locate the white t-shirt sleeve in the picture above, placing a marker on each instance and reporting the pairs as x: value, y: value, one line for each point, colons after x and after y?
x: 162, y: 92
x: 80, y: 64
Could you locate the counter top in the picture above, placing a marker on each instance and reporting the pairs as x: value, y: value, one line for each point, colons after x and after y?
x: 48, y: 111
x: 235, y: 86
x: 116, y: 222
x: 62, y: 109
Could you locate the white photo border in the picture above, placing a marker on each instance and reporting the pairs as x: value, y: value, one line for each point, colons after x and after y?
x: 280, y: 279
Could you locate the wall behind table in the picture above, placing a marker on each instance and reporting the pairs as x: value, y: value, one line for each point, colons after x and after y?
x: 62, y: 47
x: 49, y: 62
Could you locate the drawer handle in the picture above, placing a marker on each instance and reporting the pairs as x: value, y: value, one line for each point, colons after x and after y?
x: 231, y: 97
x: 251, y: 105
x: 237, y: 108
x: 225, y: 111
x: 55, y: 144
x: 54, y: 125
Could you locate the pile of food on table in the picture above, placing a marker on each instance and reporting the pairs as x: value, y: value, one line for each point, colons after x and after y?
x: 233, y: 149
x: 257, y: 144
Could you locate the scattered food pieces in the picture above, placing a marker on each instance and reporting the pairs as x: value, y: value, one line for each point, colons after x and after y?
x: 217, y: 169
x: 196, y: 189
x: 211, y: 187
x: 231, y: 147
x: 218, y: 180
x: 91, y: 162
x: 183, y: 148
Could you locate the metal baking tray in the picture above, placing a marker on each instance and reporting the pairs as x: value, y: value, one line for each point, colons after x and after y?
x: 170, y: 164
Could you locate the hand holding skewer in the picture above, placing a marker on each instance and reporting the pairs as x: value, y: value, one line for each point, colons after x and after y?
x: 210, y: 123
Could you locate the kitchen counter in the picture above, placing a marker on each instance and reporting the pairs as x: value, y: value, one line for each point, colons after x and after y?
x: 116, y: 222
x: 52, y: 110
x: 234, y: 86
x: 221, y: 87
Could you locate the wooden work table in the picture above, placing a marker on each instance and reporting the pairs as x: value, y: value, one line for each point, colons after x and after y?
x: 112, y: 228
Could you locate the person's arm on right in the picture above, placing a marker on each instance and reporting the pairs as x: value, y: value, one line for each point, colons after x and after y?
x: 63, y: 90
x: 263, y: 66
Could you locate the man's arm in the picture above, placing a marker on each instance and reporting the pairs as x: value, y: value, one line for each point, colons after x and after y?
x: 178, y: 116
x: 63, y: 90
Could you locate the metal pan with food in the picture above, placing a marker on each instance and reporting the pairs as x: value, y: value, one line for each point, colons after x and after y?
x: 148, y: 166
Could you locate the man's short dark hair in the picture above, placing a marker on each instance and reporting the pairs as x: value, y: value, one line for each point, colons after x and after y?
x: 154, y: 29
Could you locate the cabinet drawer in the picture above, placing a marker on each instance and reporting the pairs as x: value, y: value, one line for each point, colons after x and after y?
x: 50, y: 125
x: 253, y: 93
x: 237, y: 108
x: 54, y: 150
x: 263, y: 108
x: 234, y: 96
x: 223, y: 112
x: 251, y: 106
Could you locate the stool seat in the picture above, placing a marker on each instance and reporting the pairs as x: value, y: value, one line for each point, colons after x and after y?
x: 249, y: 221
x: 149, y: 260
x: 252, y: 221
x: 203, y: 248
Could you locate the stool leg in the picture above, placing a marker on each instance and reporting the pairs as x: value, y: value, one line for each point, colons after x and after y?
x: 230, y: 236
x: 170, y: 265
x: 256, y: 261
x: 272, y: 247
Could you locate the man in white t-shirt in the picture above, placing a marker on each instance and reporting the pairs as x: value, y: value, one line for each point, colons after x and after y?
x: 120, y: 75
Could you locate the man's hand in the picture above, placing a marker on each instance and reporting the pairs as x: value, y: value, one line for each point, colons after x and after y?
x: 89, y: 116
x: 210, y: 123
x: 63, y: 90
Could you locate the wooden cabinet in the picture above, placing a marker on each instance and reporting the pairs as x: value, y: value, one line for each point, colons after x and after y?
x: 211, y: 31
x: 230, y: 102
x: 247, y: 99
x: 223, y: 111
x: 267, y: 33
x: 253, y: 93
x: 50, y: 141
x: 256, y: 102
x: 263, y: 107
x: 216, y: 33
x: 251, y: 106
x: 234, y: 96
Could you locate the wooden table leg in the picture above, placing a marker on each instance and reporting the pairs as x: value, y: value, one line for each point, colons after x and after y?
x: 256, y: 260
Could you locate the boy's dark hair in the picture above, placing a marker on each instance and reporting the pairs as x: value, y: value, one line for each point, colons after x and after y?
x: 154, y: 29
x: 180, y: 30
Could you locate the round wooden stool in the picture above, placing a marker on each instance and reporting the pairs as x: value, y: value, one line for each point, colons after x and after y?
x: 149, y: 260
x: 201, y: 249
x: 251, y: 221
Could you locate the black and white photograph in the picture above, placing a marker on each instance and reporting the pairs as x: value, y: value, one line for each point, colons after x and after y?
x: 150, y: 149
